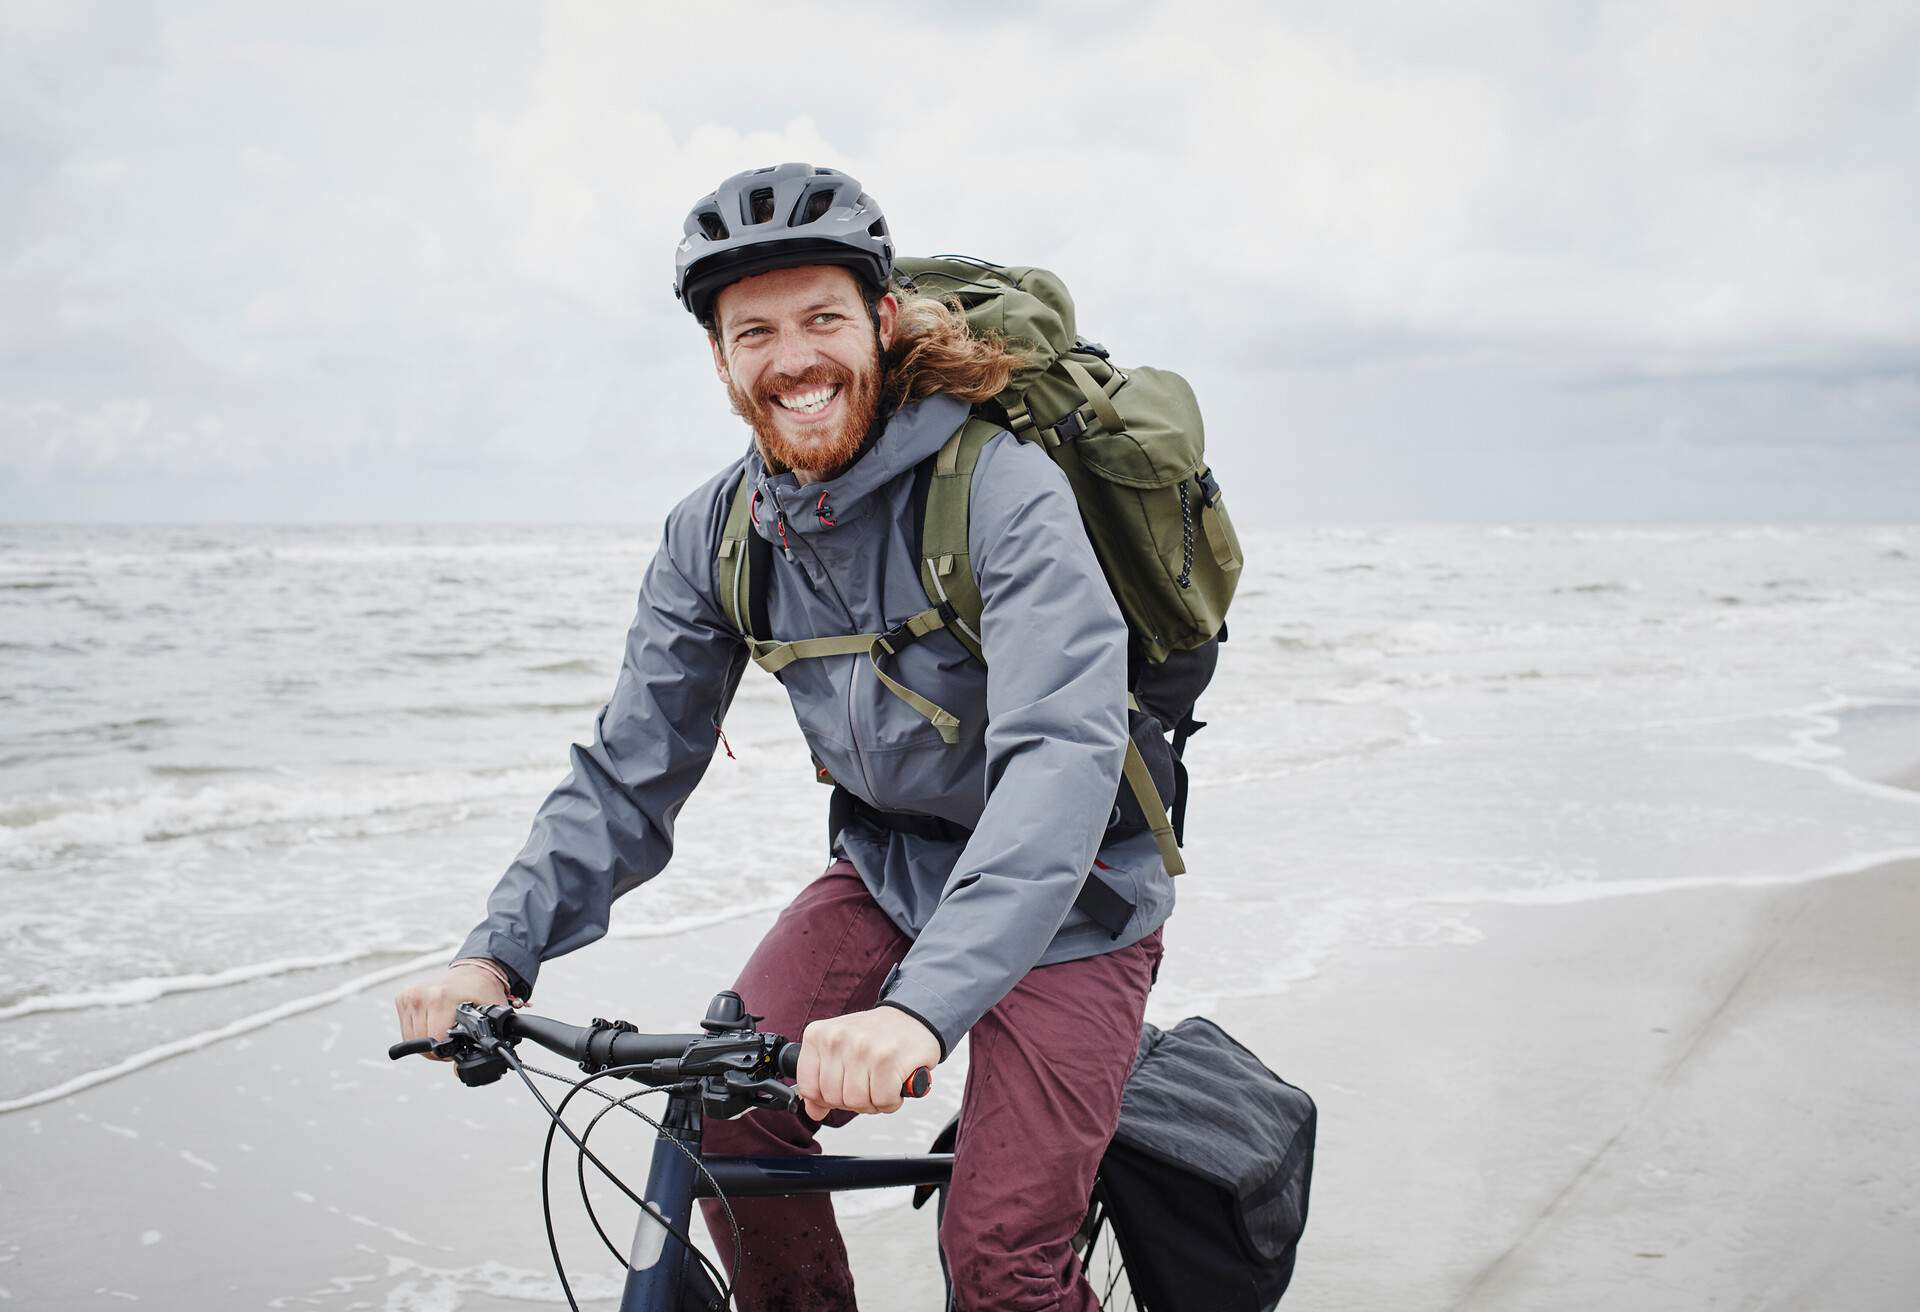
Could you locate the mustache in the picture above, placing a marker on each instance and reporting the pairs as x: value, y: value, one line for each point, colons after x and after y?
x: 819, y: 375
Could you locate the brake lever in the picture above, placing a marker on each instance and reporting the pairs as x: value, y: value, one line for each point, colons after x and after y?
x: 736, y: 1091
x: 447, y: 1049
x: 471, y: 1045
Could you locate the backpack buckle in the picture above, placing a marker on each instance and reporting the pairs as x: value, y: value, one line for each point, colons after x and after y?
x: 1209, y: 486
x: 903, y: 635
x: 1072, y: 427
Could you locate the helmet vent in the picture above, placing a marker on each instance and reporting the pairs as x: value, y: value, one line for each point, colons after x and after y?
x: 810, y: 209
x: 760, y: 206
x: 711, y: 225
x: 878, y: 228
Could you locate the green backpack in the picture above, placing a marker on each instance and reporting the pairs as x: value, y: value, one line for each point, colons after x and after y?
x: 1132, y: 446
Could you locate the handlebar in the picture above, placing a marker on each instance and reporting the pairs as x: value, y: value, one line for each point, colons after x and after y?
x: 916, y: 1086
x: 659, y: 1058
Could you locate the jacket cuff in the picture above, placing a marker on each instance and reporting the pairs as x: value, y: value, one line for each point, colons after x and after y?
x: 931, y: 1029
x: 520, y: 964
x: 930, y: 1009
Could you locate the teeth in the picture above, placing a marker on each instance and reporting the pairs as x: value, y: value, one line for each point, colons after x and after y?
x: 808, y: 403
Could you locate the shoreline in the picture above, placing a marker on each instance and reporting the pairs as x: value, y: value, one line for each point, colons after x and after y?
x: 1592, y: 1103
x: 399, y: 963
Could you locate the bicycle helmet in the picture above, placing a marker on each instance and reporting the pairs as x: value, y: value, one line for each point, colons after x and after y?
x: 779, y: 217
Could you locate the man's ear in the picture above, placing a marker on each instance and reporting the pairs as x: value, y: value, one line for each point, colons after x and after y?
x: 888, y: 312
x: 719, y: 361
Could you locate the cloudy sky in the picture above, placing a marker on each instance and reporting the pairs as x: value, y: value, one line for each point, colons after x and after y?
x: 1448, y: 262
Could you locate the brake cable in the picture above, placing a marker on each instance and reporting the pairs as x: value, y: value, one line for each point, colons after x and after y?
x: 514, y: 1063
x: 580, y: 1162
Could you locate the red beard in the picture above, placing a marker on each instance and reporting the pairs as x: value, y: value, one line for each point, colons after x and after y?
x: 816, y: 451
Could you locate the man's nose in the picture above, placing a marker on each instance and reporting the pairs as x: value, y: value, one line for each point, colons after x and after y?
x: 793, y: 354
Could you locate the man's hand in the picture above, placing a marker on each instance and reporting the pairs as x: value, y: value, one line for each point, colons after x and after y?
x: 426, y: 1010
x: 858, y: 1062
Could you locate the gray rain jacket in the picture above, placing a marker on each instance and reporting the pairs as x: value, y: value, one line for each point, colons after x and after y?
x: 1043, y: 726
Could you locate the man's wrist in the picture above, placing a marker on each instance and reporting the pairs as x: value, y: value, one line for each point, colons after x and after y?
x: 496, y: 970
x: 925, y: 1023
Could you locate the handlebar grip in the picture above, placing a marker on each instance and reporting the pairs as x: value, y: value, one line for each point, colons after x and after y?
x: 917, y: 1085
x: 409, y: 1048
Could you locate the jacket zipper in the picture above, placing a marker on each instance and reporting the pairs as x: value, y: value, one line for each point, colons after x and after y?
x: 853, y: 732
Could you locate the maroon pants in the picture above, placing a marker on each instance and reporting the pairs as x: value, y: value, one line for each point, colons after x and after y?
x: 1046, y: 1069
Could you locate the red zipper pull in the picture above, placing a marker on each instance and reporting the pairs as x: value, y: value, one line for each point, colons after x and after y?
x: 724, y: 743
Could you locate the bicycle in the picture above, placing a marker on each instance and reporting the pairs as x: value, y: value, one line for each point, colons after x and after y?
x: 729, y: 1069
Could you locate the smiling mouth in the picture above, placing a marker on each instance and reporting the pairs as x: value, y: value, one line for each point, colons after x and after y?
x: 809, y: 402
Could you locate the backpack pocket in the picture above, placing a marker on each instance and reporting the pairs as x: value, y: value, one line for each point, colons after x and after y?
x: 1150, y: 504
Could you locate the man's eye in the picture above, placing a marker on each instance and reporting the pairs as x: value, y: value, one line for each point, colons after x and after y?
x: 827, y: 316
x: 749, y: 333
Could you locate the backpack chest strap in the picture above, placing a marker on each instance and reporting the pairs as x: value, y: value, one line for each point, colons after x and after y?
x: 774, y: 657
x: 943, y: 488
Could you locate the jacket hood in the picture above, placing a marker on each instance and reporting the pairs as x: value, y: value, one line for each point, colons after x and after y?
x: 914, y: 432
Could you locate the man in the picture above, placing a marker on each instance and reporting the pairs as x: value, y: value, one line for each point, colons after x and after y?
x: 950, y: 907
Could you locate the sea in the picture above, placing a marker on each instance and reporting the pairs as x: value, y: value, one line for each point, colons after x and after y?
x: 248, y: 771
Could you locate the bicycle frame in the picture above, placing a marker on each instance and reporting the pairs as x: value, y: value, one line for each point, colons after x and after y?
x: 657, y: 1262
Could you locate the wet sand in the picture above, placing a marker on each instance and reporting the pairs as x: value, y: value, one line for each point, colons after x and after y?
x: 1689, y: 1099
x: 1685, y: 1099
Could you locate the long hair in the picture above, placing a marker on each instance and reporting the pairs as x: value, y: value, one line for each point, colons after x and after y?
x: 934, y: 351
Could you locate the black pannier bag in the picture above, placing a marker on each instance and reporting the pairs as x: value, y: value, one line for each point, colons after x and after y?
x: 1206, y: 1180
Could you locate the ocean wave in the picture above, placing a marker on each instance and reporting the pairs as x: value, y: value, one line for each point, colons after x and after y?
x: 483, y: 710
x: 579, y: 665
x: 229, y: 557
x: 118, y: 817
x: 1809, y: 748
x: 151, y: 988
x: 206, y: 1038
x: 310, y: 1002
x: 448, y: 656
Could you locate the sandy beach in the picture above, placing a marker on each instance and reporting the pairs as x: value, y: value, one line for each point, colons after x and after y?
x: 1688, y: 1099
x: 1582, y: 907
x: 1684, y: 1099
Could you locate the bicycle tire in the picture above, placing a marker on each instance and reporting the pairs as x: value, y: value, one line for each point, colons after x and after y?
x: 1101, y: 1260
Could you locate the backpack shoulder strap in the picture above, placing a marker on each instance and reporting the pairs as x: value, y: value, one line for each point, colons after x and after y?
x: 741, y: 569
x: 943, y: 493
x: 943, y: 490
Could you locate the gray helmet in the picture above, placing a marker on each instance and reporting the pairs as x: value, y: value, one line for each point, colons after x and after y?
x: 776, y: 218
